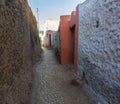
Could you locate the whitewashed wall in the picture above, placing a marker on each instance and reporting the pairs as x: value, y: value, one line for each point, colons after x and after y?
x: 99, y: 48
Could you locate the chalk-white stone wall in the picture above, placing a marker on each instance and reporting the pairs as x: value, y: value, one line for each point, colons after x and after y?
x: 99, y: 48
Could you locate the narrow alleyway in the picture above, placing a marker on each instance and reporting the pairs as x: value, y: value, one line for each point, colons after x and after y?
x: 52, y: 83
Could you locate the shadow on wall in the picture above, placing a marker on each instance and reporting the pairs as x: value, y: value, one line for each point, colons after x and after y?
x: 35, y: 45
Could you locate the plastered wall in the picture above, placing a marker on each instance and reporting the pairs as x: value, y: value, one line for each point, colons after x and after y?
x: 99, y: 49
x: 19, y: 48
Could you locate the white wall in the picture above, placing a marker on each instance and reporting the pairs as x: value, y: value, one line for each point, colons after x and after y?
x: 99, y: 48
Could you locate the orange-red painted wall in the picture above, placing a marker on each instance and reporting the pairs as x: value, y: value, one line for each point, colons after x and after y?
x: 69, y: 39
x: 74, y: 23
x: 66, y: 40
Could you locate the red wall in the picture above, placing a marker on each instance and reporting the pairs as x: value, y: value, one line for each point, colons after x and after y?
x: 74, y: 23
x: 69, y: 39
x: 49, y: 33
x: 66, y: 40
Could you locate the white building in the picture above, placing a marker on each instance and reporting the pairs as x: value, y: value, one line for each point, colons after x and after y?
x: 51, y: 24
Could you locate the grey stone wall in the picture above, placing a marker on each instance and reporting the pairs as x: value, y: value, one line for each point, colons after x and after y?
x: 18, y: 42
x: 57, y: 44
x: 99, y: 49
x: 56, y: 40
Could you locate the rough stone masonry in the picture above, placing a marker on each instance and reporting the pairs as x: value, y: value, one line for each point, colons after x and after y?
x: 99, y: 49
x: 19, y: 47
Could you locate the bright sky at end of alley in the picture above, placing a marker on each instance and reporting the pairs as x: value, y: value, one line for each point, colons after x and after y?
x: 53, y: 8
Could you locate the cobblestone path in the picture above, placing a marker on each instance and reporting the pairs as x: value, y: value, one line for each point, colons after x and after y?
x: 52, y: 83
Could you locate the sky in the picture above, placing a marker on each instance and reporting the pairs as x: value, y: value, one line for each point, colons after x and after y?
x: 52, y: 8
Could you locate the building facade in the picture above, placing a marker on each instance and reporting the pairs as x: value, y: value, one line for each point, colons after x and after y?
x: 50, y: 27
x: 69, y: 39
x: 90, y: 39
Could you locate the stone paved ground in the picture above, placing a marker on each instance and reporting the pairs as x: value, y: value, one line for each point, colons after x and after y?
x: 52, y: 83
